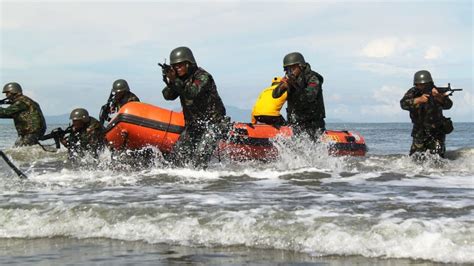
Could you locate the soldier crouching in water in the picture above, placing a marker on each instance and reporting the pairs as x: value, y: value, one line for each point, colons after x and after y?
x: 305, y: 112
x: 86, y: 137
x: 204, y: 112
x: 26, y: 113
x: 425, y: 104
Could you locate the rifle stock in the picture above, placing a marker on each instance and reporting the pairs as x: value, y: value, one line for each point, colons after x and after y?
x: 4, y: 101
x: 57, y: 134
x: 17, y: 171
x: 165, y: 68
x: 105, y: 109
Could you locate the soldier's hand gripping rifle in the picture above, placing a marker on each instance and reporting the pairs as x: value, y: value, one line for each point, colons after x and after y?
x: 165, y: 68
x: 448, y: 91
x: 5, y: 101
x: 57, y: 134
x: 443, y: 90
x: 105, y: 109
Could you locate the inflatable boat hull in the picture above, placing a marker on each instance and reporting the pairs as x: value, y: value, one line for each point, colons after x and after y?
x: 138, y: 125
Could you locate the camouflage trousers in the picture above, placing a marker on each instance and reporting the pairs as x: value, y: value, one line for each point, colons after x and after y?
x: 428, y: 143
x: 196, y: 146
x: 27, y: 140
x: 313, y: 129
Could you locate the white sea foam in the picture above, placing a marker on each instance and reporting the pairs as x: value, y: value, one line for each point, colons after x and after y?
x: 317, y: 233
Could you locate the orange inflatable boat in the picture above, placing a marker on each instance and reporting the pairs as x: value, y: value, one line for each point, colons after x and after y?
x: 138, y: 125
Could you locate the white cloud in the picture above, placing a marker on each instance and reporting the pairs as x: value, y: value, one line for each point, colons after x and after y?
x: 387, y: 47
x: 385, y: 104
x: 433, y: 52
x: 58, y: 46
x: 387, y: 94
x: 463, y: 106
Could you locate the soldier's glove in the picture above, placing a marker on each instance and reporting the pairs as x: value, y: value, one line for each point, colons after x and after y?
x: 171, y: 75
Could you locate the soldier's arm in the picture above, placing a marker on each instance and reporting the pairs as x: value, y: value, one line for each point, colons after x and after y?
x: 134, y: 98
x: 13, y: 109
x: 94, y: 136
x: 313, y: 88
x: 447, y: 103
x: 408, y: 100
x: 198, y: 85
x: 279, y: 90
x: 170, y: 94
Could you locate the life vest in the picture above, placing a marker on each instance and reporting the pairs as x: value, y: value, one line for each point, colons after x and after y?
x: 266, y: 105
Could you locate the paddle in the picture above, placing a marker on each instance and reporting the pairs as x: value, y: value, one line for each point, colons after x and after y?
x: 12, y: 166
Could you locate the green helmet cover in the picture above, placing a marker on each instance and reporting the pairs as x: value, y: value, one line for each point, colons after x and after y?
x: 293, y: 59
x: 12, y: 87
x: 422, y: 77
x: 79, y: 114
x: 120, y: 85
x: 182, y: 54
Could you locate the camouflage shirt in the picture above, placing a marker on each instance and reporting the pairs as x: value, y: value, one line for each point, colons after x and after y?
x: 199, y: 98
x: 305, y: 97
x: 90, y: 138
x: 27, y: 116
x: 128, y: 97
x: 425, y: 117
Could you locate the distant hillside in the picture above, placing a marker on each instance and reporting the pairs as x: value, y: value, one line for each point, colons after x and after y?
x: 238, y: 115
x: 57, y: 119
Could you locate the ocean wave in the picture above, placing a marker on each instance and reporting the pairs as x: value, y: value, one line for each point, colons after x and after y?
x: 316, y: 233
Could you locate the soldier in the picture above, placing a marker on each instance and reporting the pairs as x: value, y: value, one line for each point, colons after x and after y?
x: 119, y: 96
x: 305, y: 112
x: 267, y: 109
x: 87, y: 135
x: 426, y: 105
x: 26, y: 113
x: 122, y: 94
x: 204, y: 112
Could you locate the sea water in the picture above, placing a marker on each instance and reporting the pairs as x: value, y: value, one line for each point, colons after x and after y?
x: 305, y: 207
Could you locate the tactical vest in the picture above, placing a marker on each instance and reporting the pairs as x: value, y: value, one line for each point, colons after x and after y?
x: 207, y: 107
x: 30, y: 121
x: 428, y: 116
x: 301, y: 107
x: 128, y: 97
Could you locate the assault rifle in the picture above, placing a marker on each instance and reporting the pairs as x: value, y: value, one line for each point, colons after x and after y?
x: 5, y: 101
x: 105, y: 109
x: 20, y: 174
x: 57, y: 134
x: 165, y: 68
x: 444, y: 90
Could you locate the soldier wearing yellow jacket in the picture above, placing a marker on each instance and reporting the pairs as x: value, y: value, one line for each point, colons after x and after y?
x: 267, y: 109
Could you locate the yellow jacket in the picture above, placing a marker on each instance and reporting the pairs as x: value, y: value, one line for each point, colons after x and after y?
x: 266, y: 105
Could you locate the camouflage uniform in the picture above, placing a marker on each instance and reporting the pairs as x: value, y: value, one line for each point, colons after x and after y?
x: 305, y: 112
x: 28, y: 118
x: 128, y: 97
x: 89, y: 139
x: 428, y: 121
x: 204, y: 115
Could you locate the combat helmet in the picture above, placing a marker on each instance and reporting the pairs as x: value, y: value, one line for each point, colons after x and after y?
x: 293, y: 59
x: 12, y: 87
x: 422, y: 77
x: 80, y: 114
x: 182, y: 54
x: 120, y: 85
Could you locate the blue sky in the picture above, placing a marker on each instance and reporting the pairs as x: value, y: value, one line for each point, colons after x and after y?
x: 66, y: 54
